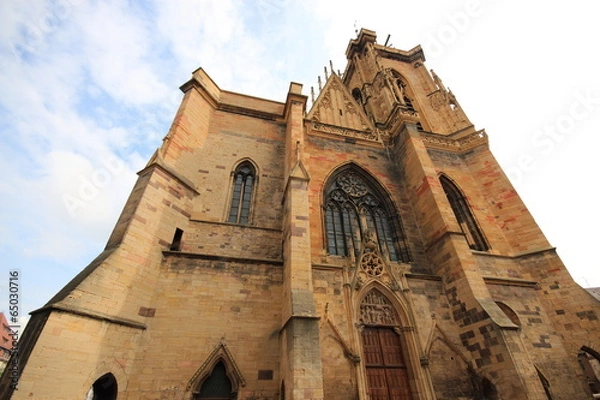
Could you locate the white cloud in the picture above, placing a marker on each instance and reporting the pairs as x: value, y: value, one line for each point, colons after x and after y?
x: 117, y: 48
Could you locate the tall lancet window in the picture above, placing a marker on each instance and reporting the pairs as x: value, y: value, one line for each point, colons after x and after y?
x: 244, y: 180
x: 353, y: 207
x: 464, y: 216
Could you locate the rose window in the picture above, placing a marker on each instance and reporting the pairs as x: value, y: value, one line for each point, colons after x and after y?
x: 371, y: 264
x: 353, y: 185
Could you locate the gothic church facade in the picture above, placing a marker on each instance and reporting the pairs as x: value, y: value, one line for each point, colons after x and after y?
x: 368, y: 248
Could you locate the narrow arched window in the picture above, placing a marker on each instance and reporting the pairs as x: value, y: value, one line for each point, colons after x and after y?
x: 354, y: 206
x: 357, y: 95
x: 464, y: 216
x: 244, y: 178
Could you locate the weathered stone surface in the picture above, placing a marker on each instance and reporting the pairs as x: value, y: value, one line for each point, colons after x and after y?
x: 269, y: 301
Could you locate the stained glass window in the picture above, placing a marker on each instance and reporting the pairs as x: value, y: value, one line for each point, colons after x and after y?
x: 464, y: 216
x: 241, y: 198
x: 352, y: 207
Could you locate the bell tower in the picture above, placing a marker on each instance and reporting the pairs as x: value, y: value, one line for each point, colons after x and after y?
x: 394, y: 87
x: 475, y: 230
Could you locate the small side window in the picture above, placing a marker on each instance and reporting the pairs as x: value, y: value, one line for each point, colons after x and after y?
x: 176, y: 243
x: 244, y: 178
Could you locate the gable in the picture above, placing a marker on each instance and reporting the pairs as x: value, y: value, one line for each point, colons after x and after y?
x: 335, y: 106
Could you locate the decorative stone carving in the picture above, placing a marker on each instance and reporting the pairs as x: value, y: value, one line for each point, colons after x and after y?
x: 459, y: 145
x: 339, y: 196
x: 358, y: 283
x: 401, y: 114
x: 350, y: 109
x: 352, y: 184
x: 317, y: 115
x: 372, y: 264
x: 369, y: 201
x: 438, y: 99
x: 375, y: 309
x: 220, y: 352
x: 438, y: 81
x: 326, y: 101
x: 336, y: 130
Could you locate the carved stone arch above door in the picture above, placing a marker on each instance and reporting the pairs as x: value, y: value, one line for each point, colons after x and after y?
x: 376, y: 309
x: 386, y: 364
x: 220, y: 366
x: 376, y: 297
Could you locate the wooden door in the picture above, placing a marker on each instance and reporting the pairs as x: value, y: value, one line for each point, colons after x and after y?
x: 387, y: 375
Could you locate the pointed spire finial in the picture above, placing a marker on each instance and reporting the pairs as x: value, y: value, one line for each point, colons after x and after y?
x: 320, y: 87
x: 326, y: 74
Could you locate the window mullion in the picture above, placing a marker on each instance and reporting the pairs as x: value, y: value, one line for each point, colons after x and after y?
x: 339, y: 234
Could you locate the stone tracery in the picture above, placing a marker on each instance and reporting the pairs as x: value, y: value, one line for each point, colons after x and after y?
x: 353, y: 208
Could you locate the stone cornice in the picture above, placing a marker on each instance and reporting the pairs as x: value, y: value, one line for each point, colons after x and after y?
x: 496, y: 280
x: 194, y: 83
x: 82, y: 312
x: 211, y: 257
x: 424, y: 277
x: 320, y: 129
x: 460, y: 144
x: 399, y: 116
x: 159, y: 164
x: 248, y: 112
x: 224, y: 223
x: 412, y: 55
x: 218, y: 100
x: 522, y: 254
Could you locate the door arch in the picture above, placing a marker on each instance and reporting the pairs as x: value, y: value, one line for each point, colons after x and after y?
x: 217, y: 386
x: 218, y: 378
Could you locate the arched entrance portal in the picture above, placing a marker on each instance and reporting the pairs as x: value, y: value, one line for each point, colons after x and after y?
x: 385, y: 363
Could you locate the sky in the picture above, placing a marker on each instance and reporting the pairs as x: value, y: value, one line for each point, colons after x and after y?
x: 88, y: 89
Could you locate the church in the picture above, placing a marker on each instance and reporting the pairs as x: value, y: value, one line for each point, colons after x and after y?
x: 367, y: 247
